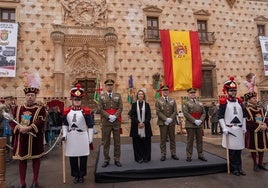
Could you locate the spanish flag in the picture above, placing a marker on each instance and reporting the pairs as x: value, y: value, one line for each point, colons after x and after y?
x: 181, y: 59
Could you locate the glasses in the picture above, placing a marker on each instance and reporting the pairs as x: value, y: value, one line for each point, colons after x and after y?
x: 232, y: 90
x: 77, y: 99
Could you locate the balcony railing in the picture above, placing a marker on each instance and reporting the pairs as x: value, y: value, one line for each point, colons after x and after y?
x: 206, y: 37
x: 152, y: 35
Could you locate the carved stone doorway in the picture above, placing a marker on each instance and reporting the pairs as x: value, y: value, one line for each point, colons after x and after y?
x: 89, y: 86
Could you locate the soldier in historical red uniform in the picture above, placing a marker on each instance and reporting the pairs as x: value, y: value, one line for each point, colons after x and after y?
x: 232, y: 120
x: 78, y: 134
x: 28, y: 141
x: 256, y: 137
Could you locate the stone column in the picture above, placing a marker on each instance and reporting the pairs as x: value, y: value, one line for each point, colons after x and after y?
x: 2, y: 162
x: 58, y: 39
x: 111, y: 40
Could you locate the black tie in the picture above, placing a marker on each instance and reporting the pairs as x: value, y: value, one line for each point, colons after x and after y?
x: 166, y: 99
x: 194, y: 101
x: 110, y: 95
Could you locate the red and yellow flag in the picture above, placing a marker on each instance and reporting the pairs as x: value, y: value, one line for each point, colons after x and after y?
x: 181, y: 59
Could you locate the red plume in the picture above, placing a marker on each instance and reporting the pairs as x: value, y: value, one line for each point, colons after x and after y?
x: 78, y: 86
x: 232, y: 78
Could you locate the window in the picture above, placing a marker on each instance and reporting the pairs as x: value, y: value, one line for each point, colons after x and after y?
x: 152, y: 19
x: 7, y: 15
x: 261, y: 30
x: 207, y: 84
x: 202, y: 30
x: 152, y: 28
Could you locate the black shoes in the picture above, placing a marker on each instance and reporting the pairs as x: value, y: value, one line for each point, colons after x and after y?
x: 256, y: 168
x: 202, y: 159
x: 242, y: 173
x: 174, y: 157
x: 22, y: 186
x: 105, y: 164
x: 34, y: 185
x: 163, y: 158
x: 117, y: 163
x: 261, y: 167
x: 236, y: 173
x: 76, y: 180
x: 188, y: 159
x: 140, y: 161
x: 81, y: 180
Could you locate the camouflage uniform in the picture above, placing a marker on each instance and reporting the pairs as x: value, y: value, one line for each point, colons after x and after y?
x: 108, y: 106
x: 192, y: 111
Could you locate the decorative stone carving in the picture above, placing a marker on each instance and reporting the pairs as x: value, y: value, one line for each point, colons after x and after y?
x: 202, y: 12
x: 85, y: 65
x: 84, y: 12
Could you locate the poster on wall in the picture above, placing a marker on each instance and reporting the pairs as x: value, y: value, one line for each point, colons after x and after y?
x: 8, y: 49
x: 264, y: 50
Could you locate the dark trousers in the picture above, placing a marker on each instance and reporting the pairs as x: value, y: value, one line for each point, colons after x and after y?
x: 214, y: 128
x: 235, y: 160
x: 78, y: 170
x: 142, y: 148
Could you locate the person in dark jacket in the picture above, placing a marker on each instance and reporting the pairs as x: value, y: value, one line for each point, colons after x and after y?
x: 141, y: 131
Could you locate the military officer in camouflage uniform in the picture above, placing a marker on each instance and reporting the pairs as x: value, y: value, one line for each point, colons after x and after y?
x: 110, y: 108
x: 166, y: 110
x: 194, y: 114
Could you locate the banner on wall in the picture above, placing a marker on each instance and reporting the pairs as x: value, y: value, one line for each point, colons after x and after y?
x: 264, y: 50
x: 8, y: 49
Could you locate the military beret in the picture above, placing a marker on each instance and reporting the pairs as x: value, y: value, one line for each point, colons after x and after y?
x: 109, y: 82
x: 164, y: 87
x: 191, y: 90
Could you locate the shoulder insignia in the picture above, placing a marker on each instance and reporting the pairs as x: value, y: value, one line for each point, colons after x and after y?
x: 239, y: 100
x: 66, y: 110
x: 223, y: 100
x: 86, y: 110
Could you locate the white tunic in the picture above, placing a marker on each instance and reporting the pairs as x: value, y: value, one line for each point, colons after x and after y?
x: 77, y: 140
x: 234, y: 110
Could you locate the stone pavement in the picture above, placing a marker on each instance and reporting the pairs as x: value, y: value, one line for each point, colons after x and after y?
x: 51, y: 171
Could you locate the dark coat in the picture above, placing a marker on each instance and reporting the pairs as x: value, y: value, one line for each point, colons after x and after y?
x: 134, y: 120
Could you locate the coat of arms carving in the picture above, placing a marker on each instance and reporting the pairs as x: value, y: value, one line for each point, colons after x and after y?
x: 84, y: 12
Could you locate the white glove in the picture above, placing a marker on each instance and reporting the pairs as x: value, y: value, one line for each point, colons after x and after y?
x: 90, y: 135
x: 166, y: 122
x: 64, y: 132
x: 169, y: 120
x: 225, y: 132
x: 198, y: 122
x: 112, y: 118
